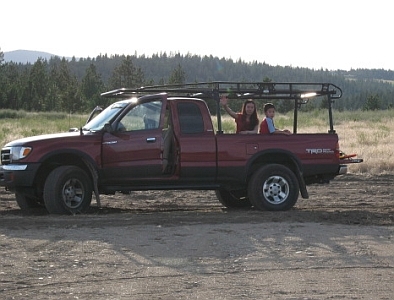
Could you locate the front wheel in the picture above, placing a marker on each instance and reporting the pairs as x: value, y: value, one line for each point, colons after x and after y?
x: 273, y: 187
x: 67, y: 190
x: 25, y: 201
x: 233, y: 199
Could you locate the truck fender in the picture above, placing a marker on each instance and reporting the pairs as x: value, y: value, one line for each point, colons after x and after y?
x: 266, y: 156
x: 87, y: 161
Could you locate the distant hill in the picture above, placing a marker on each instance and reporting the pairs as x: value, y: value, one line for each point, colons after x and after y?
x: 26, y: 56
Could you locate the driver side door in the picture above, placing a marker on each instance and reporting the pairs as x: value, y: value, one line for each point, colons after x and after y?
x: 133, y: 151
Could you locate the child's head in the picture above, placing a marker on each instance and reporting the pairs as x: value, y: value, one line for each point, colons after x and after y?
x: 269, y: 110
x: 249, y: 108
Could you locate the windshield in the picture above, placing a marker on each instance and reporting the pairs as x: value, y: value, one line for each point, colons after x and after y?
x: 106, y: 116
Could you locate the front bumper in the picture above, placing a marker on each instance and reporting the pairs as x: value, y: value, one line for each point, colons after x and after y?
x: 18, y: 175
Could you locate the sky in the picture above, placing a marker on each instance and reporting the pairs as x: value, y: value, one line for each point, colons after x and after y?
x: 335, y: 34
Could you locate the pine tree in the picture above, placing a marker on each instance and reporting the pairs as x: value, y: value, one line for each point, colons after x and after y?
x: 126, y: 75
x: 68, y: 88
x: 91, y: 87
x: 3, y: 94
x: 12, y: 86
x: 38, y: 85
x: 1, y: 57
x: 373, y: 103
x: 177, y: 76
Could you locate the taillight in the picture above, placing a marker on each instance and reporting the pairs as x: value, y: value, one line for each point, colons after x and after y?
x: 337, y: 151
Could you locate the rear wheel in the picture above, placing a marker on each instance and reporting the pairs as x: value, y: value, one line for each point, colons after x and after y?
x: 67, y: 190
x: 273, y: 187
x: 233, y: 199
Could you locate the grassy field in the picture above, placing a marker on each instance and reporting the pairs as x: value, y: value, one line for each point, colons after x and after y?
x: 369, y: 134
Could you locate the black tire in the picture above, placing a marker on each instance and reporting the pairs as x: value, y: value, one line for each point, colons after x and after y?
x: 273, y: 187
x: 67, y: 190
x: 233, y: 199
x: 25, y: 201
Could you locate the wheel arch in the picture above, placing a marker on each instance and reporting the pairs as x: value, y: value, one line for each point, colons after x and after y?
x: 278, y: 156
x: 65, y: 157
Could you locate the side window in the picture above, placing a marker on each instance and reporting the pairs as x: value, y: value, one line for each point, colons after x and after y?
x: 190, y: 118
x: 143, y: 116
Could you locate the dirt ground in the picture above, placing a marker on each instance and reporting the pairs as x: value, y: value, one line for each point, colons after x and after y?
x: 184, y: 245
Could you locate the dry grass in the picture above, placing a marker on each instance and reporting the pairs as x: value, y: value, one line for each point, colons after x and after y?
x: 29, y: 124
x: 369, y: 134
x: 374, y: 142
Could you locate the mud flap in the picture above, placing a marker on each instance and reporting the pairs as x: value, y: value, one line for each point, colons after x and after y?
x: 94, y: 174
x: 303, y: 190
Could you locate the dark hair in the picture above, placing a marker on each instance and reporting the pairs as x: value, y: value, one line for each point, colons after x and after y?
x: 267, y: 106
x: 254, y: 120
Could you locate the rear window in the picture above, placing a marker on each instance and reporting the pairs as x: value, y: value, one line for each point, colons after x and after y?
x: 190, y: 118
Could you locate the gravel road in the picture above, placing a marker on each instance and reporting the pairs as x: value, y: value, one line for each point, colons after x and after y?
x: 184, y: 245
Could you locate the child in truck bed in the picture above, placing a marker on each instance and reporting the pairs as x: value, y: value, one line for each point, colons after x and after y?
x: 267, y: 125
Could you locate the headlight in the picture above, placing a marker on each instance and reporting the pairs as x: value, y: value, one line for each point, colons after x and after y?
x: 18, y: 153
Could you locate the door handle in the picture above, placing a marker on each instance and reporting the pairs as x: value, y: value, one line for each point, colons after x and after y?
x: 150, y: 139
x: 110, y: 142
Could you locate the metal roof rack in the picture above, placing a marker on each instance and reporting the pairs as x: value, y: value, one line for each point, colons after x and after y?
x: 256, y: 90
x: 299, y: 92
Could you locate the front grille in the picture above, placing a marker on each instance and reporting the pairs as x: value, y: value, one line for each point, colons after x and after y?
x: 5, y: 156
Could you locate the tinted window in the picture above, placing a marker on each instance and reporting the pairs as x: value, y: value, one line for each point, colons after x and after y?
x: 190, y: 118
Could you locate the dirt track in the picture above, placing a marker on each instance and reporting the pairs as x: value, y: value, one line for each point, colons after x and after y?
x: 185, y: 245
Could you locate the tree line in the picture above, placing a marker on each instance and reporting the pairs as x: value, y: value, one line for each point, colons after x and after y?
x: 75, y: 85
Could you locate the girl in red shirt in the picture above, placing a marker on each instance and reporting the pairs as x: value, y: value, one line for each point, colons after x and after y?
x: 247, y: 120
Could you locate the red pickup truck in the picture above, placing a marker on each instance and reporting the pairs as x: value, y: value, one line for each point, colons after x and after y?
x: 163, y: 137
